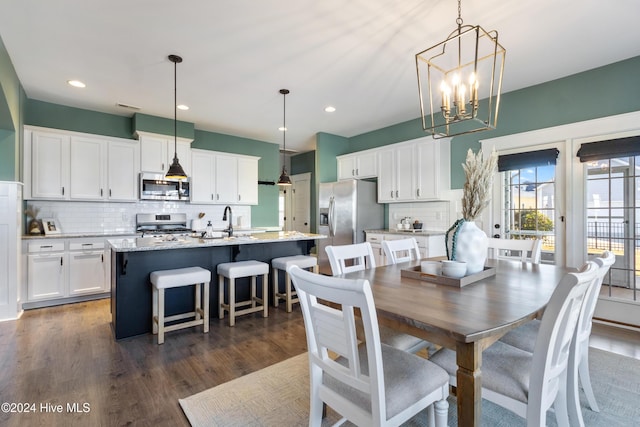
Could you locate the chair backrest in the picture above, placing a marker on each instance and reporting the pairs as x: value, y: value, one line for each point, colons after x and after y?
x: 504, y: 249
x: 360, y: 255
x: 553, y: 343
x: 333, y: 328
x: 401, y: 250
x: 604, y: 262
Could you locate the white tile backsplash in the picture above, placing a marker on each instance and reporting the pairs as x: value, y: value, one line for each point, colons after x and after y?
x: 436, y: 216
x: 107, y: 217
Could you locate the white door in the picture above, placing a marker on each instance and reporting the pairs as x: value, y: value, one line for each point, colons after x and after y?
x: 202, y: 177
x: 247, y: 181
x: 226, y: 173
x: 122, y: 171
x: 153, y: 154
x: 45, y: 276
x: 87, y: 168
x: 86, y: 272
x: 301, y: 202
x: 50, y: 166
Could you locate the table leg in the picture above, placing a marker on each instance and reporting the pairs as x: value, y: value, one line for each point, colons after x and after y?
x: 469, y: 383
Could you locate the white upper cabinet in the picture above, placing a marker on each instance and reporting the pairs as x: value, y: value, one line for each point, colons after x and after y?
x: 223, y: 178
x: 73, y: 166
x: 362, y: 164
x: 157, y: 151
x: 395, y: 174
x: 413, y: 171
x: 49, y: 165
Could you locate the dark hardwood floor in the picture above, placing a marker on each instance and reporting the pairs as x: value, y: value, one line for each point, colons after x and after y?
x: 66, y: 355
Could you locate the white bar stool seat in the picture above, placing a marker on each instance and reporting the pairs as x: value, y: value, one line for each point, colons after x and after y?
x: 233, y: 271
x: 283, y: 263
x: 165, y: 279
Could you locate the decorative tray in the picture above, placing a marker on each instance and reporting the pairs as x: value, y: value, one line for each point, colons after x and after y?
x: 415, y: 273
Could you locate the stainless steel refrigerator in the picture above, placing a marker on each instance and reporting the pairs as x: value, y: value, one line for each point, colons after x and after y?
x: 345, y: 210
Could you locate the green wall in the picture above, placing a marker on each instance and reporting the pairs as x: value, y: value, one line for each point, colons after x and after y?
x: 162, y: 126
x: 329, y: 146
x: 12, y: 99
x: 303, y: 163
x: 604, y: 91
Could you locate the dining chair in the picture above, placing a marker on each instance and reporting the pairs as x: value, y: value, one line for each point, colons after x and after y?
x: 504, y: 248
x: 360, y: 257
x: 525, y: 383
x: 401, y: 250
x: 524, y: 336
x: 371, y: 384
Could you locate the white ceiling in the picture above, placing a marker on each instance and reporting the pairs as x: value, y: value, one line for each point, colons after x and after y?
x: 357, y: 55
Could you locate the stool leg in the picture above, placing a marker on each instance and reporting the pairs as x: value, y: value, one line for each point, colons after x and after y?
x: 206, y: 306
x: 232, y: 302
x: 253, y: 291
x: 315, y: 269
x: 274, y: 274
x: 288, y: 290
x: 154, y: 308
x: 265, y: 296
x: 197, y: 302
x: 220, y: 297
x: 160, y: 316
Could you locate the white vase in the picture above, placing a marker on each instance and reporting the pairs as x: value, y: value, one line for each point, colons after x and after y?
x: 471, y: 245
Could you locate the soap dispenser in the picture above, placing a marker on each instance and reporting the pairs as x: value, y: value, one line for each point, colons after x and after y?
x: 209, y: 230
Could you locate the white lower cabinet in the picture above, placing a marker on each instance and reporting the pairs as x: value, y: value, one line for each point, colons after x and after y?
x: 376, y: 245
x: 65, y: 268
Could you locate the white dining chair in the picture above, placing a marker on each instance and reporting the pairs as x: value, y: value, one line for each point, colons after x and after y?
x: 401, y: 250
x: 371, y: 384
x: 524, y: 336
x: 505, y: 248
x: 525, y: 383
x: 359, y: 256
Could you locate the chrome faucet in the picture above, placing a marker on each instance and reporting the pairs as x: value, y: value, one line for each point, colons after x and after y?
x: 224, y: 218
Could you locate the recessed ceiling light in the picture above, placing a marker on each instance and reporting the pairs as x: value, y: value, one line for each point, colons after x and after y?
x: 183, y: 107
x: 282, y: 128
x: 330, y: 109
x: 76, y: 83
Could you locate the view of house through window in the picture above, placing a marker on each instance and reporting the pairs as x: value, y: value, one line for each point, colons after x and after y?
x: 613, y: 223
x: 528, y: 210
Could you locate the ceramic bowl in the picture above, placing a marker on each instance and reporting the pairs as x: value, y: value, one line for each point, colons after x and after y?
x: 455, y: 269
x: 431, y: 267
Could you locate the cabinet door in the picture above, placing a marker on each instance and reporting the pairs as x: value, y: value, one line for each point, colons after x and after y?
x: 404, y: 171
x: 184, y: 155
x: 226, y: 178
x: 366, y: 165
x: 427, y: 170
x: 50, y: 166
x: 87, y: 273
x: 153, y: 154
x: 46, y: 276
x: 346, y: 167
x: 202, y: 177
x: 87, y: 168
x: 247, y: 181
x: 386, y: 176
x: 122, y: 165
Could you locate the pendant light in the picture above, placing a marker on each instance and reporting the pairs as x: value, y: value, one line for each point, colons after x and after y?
x: 175, y: 170
x: 284, y: 177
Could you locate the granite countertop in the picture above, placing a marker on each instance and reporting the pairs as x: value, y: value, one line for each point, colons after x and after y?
x: 79, y: 234
x: 421, y: 232
x: 183, y: 242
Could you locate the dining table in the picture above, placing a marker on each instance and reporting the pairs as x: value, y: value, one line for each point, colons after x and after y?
x: 465, y: 319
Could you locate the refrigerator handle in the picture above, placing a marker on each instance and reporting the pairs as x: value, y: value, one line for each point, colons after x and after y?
x: 331, y: 206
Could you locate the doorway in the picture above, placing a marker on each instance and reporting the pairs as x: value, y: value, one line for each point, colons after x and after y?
x: 295, y: 204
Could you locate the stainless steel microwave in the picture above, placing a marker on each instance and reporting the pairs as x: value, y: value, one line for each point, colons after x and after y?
x: 155, y: 186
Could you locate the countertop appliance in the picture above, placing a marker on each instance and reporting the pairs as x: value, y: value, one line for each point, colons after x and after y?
x: 345, y: 210
x: 162, y: 223
x: 155, y: 186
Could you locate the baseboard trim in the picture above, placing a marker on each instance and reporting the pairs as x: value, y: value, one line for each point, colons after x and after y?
x: 617, y: 324
x: 62, y: 301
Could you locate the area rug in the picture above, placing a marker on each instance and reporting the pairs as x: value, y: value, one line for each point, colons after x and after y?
x: 279, y: 396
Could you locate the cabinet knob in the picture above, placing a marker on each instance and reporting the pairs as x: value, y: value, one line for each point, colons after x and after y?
x: 396, y: 194
x: 357, y: 171
x: 101, y: 192
x: 63, y: 191
x: 418, y: 192
x: 352, y: 172
x: 392, y: 194
x: 239, y: 197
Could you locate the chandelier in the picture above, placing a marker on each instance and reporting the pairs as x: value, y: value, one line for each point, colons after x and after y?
x: 454, y: 75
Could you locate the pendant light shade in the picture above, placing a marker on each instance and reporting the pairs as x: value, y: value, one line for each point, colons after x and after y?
x: 175, y: 170
x: 284, y: 177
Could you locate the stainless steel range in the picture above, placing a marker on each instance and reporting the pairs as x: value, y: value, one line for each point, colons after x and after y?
x: 160, y: 224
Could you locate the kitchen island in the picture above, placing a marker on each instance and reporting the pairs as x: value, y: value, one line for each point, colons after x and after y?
x: 132, y: 260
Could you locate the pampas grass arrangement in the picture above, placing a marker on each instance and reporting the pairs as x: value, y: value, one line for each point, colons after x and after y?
x: 476, y: 193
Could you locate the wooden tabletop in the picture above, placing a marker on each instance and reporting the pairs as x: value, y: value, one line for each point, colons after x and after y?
x: 466, y: 319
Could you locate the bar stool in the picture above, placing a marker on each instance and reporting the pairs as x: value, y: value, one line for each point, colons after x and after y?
x: 165, y: 279
x: 234, y: 270
x: 283, y: 263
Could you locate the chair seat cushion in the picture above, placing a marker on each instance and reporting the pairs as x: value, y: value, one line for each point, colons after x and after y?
x: 233, y: 270
x: 403, y: 341
x: 302, y: 261
x: 407, y: 379
x: 505, y: 369
x: 179, y: 277
x: 523, y: 337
